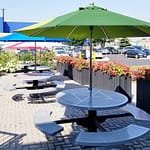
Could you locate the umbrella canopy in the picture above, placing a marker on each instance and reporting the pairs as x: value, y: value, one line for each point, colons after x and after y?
x: 90, y: 22
x: 17, y: 37
x: 25, y: 46
x: 4, y: 34
x: 76, y: 25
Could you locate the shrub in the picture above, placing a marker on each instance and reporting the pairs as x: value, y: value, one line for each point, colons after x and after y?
x: 8, y: 62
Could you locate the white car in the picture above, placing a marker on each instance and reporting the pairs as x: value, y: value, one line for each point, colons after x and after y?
x: 61, y: 53
x: 105, y: 51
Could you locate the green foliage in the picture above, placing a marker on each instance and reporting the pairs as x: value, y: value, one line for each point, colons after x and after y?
x: 8, y: 62
x: 124, y: 42
x: 26, y: 56
x: 47, y: 58
x: 76, y: 42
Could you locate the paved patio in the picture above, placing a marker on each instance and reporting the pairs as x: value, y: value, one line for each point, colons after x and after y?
x: 17, y: 131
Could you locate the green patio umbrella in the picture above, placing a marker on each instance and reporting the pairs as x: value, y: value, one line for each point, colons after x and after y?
x: 90, y: 22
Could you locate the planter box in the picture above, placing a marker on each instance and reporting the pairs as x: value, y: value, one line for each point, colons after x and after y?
x: 85, y: 76
x: 125, y: 86
x: 62, y: 68
x: 70, y: 71
x: 105, y: 81
x: 81, y: 76
x: 77, y: 75
x: 119, y: 84
x: 58, y: 67
x: 98, y: 79
x: 143, y: 94
x: 110, y: 82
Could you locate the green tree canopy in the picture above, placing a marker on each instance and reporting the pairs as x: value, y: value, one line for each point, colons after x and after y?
x: 124, y: 42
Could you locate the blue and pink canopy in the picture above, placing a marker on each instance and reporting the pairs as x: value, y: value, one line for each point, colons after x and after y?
x: 18, y: 37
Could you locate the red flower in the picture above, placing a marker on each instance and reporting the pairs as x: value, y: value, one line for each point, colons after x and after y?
x: 112, y: 68
x: 142, y: 73
x: 64, y: 59
x: 81, y: 64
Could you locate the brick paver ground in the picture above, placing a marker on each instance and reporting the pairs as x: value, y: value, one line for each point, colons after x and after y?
x: 17, y: 131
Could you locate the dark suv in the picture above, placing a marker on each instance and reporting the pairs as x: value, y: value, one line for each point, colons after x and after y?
x: 135, y: 53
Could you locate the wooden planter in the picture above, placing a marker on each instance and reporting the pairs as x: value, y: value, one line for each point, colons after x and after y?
x: 77, y: 75
x: 125, y: 86
x: 110, y: 82
x: 105, y: 81
x: 121, y: 84
x: 143, y: 94
x: 70, y: 71
x: 62, y: 68
x: 98, y: 79
x: 85, y: 77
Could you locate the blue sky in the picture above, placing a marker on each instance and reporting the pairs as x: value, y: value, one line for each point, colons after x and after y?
x: 39, y: 10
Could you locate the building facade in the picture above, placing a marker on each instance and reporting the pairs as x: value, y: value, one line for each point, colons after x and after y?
x: 10, y: 26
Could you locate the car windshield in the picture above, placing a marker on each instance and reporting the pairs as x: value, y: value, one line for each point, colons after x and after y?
x: 97, y: 50
x: 146, y: 50
x: 61, y: 52
x: 59, y: 49
x: 139, y: 51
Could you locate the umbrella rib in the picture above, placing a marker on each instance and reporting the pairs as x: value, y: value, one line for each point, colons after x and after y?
x: 71, y: 32
x: 102, y: 28
x: 38, y: 32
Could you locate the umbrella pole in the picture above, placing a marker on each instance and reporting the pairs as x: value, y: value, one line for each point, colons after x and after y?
x: 35, y: 58
x: 91, y: 69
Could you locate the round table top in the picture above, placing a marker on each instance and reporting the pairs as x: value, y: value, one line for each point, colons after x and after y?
x: 25, y: 64
x: 39, y: 74
x: 39, y: 68
x: 27, y: 77
x: 98, y: 99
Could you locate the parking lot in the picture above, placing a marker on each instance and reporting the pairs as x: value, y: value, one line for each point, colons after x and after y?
x: 129, y: 61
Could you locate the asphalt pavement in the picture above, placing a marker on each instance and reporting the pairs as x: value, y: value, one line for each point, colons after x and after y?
x: 129, y: 61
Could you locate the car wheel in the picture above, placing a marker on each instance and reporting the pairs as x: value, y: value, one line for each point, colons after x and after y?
x: 126, y: 55
x: 136, y: 56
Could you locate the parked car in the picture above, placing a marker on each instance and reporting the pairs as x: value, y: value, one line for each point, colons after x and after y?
x: 98, y: 53
x: 61, y: 53
x: 121, y: 50
x: 75, y: 52
x: 112, y: 50
x: 138, y: 47
x: 147, y: 51
x: 82, y: 54
x: 135, y: 53
x: 105, y: 51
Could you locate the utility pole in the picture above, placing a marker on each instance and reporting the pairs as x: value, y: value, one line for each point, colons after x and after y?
x: 3, y: 15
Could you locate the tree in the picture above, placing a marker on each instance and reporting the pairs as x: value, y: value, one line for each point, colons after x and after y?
x: 124, y: 42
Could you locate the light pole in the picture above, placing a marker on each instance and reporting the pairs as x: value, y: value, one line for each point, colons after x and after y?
x: 3, y: 15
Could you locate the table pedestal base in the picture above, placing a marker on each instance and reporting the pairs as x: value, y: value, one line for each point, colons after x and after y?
x: 92, y: 121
